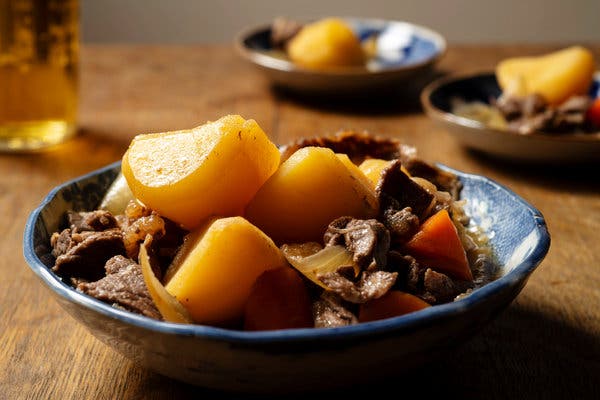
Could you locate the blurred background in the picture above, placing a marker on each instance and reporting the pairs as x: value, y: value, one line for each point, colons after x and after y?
x: 461, y: 21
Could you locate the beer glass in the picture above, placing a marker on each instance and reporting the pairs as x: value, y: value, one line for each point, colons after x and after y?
x: 39, y: 46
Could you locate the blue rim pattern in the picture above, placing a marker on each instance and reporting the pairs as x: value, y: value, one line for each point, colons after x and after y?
x: 416, y: 48
x: 409, y: 322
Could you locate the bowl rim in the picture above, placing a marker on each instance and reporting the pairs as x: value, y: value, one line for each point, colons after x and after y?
x: 455, y: 120
x: 272, y: 63
x: 404, y: 323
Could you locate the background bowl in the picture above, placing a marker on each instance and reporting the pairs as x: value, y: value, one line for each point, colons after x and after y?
x: 422, y: 48
x: 436, y: 100
x: 297, y: 359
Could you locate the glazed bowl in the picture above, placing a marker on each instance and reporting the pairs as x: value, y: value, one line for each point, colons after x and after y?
x: 537, y: 147
x: 419, y: 49
x: 295, y: 360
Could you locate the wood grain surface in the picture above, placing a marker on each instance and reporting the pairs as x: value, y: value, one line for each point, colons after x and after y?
x: 545, y: 345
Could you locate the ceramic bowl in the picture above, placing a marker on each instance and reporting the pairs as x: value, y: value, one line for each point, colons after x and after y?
x: 418, y: 49
x: 297, y: 359
x: 539, y: 147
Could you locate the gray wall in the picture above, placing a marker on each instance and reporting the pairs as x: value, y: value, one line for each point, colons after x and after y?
x: 461, y: 21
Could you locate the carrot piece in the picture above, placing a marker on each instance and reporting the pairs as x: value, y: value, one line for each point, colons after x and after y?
x: 438, y: 246
x: 391, y: 304
x: 593, y: 113
x: 279, y: 300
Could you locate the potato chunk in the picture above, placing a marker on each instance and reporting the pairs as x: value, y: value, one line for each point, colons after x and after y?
x: 326, y: 43
x: 213, y: 274
x: 555, y: 76
x: 310, y: 189
x: 211, y: 170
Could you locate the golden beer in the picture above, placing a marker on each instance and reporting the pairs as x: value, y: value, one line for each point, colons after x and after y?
x: 39, y: 47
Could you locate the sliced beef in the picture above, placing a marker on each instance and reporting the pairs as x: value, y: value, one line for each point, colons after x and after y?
x: 81, y: 250
x: 571, y: 115
x: 529, y: 114
x: 371, y: 285
x: 397, y: 191
x: 61, y: 242
x: 439, y: 287
x: 368, y: 240
x: 534, y: 123
x: 513, y: 107
x: 443, y: 288
x: 402, y: 224
x: 330, y: 311
x: 124, y: 287
x: 99, y: 220
x: 357, y: 145
x: 408, y: 271
x: 444, y: 180
x: 83, y: 255
x: 432, y: 286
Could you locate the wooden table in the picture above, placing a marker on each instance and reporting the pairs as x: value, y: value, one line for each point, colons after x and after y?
x: 545, y: 345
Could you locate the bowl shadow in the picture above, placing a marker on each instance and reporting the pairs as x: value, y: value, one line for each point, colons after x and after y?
x: 556, y: 176
x: 402, y: 98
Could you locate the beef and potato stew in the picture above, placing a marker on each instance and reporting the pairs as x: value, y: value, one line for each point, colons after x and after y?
x: 216, y: 225
x: 547, y: 94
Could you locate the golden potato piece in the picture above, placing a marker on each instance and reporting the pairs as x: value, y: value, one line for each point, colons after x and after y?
x: 324, y: 44
x: 213, y: 274
x: 555, y: 76
x: 211, y: 170
x: 310, y: 189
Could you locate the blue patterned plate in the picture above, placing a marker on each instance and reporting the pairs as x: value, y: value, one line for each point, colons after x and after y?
x: 404, y: 50
x: 298, y: 359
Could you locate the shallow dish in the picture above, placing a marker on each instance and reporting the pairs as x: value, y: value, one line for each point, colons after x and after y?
x: 297, y: 359
x: 436, y: 100
x: 422, y: 47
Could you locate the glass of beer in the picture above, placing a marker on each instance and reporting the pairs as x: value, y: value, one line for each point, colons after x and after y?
x: 39, y: 48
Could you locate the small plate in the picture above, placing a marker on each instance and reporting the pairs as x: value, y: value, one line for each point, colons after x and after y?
x: 436, y: 100
x: 418, y: 49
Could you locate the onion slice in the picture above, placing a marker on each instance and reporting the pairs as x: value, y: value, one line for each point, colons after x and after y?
x: 117, y: 196
x: 168, y: 306
x: 324, y: 261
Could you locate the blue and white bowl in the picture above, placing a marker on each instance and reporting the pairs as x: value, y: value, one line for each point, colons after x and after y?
x: 297, y: 359
x: 404, y: 51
